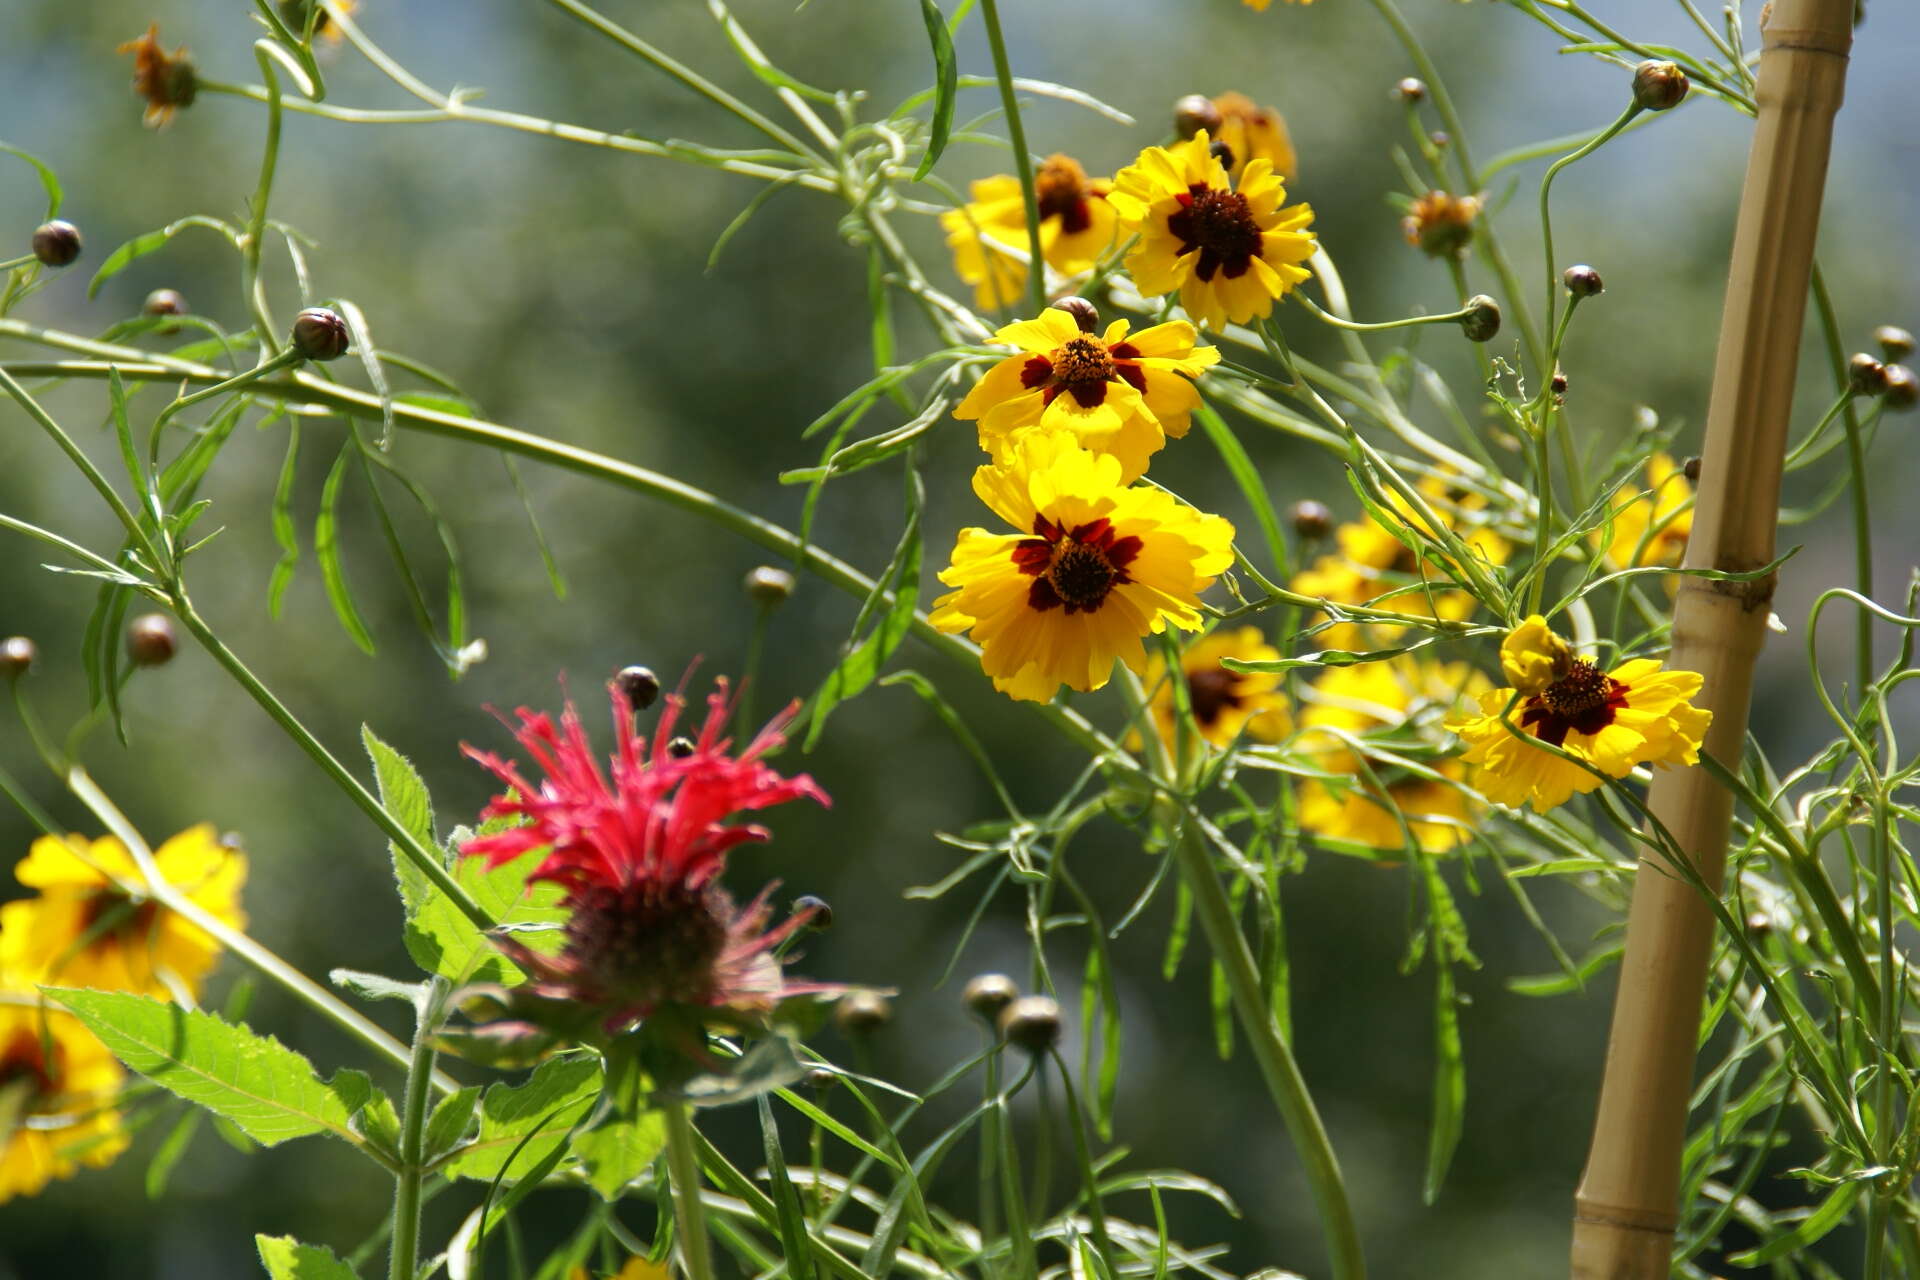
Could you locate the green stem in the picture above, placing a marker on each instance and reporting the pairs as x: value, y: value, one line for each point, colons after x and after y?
x: 281, y: 361
x: 1543, y: 521
x: 403, y: 1258
x: 683, y: 1171
x: 85, y: 464
x: 257, y: 211
x: 1546, y: 216
x: 1022, y: 158
x: 405, y: 841
x: 1327, y: 317
x: 1857, y: 490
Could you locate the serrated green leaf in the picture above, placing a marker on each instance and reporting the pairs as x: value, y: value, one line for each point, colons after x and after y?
x: 450, y: 1121
x: 440, y: 937
x: 619, y: 1151
x: 402, y: 793
x: 556, y: 1095
x: 287, y: 1259
x: 946, y: 86
x: 259, y: 1084
x: 379, y: 1123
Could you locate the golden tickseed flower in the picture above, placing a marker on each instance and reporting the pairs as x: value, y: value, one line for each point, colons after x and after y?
x: 1394, y: 702
x: 1652, y: 528
x: 1441, y: 225
x: 56, y: 1084
x: 1253, y: 132
x: 1118, y: 394
x: 165, y: 80
x: 1225, y: 703
x: 1636, y: 714
x: 89, y: 926
x: 1077, y: 227
x: 1261, y: 5
x: 1097, y: 566
x: 1229, y: 249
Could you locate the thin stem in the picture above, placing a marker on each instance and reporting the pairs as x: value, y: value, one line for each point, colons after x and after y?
x: 403, y: 1257
x: 683, y: 1171
x: 284, y: 359
x: 1327, y: 317
x: 85, y: 464
x: 408, y: 844
x: 1543, y: 522
x: 257, y: 210
x: 1546, y: 217
x: 1857, y: 489
x: 1022, y: 158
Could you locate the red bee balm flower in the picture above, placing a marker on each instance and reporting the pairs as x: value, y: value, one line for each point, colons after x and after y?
x: 638, y: 850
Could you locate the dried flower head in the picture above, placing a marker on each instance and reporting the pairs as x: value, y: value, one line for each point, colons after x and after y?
x: 165, y: 80
x: 1440, y: 224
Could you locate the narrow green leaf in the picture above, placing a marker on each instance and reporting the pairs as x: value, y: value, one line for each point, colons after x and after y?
x: 284, y: 532
x: 326, y: 549
x: 946, y: 78
x: 259, y: 1084
x: 171, y: 1148
x: 1449, y: 1080
x: 555, y: 578
x: 553, y: 1097
x: 859, y: 669
x: 370, y: 361
x: 1247, y: 477
x: 786, y: 1201
x: 1831, y: 1213
x: 142, y: 245
x: 287, y: 1259
x: 49, y: 180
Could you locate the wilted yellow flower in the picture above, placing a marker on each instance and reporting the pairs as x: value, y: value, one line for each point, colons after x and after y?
x: 1077, y: 227
x: 1652, y: 528
x: 1394, y: 699
x: 1253, y: 132
x: 165, y: 80
x: 1638, y: 713
x: 1229, y: 249
x: 1225, y: 703
x: 57, y: 1086
x: 1098, y: 567
x: 91, y: 927
x: 1440, y: 224
x: 1117, y: 393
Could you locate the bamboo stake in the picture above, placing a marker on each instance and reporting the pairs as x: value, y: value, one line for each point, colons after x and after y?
x: 1625, y: 1211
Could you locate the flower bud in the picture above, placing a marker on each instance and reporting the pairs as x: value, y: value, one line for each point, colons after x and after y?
x: 1312, y: 519
x: 1895, y: 343
x: 1440, y: 138
x: 16, y: 656
x: 819, y: 1079
x: 164, y: 302
x: 861, y: 1013
x: 319, y: 334
x: 1440, y: 224
x: 1032, y: 1023
x: 768, y: 586
x: 1558, y: 382
x: 56, y: 243
x: 638, y: 685
x: 150, y: 640
x: 1410, y: 90
x: 1222, y: 152
x: 988, y: 994
x: 1193, y: 113
x: 1866, y: 375
x: 1084, y: 313
x: 1691, y: 469
x: 682, y: 747
x: 1658, y: 85
x: 1482, y: 322
x: 1903, y: 389
x: 819, y: 915
x: 1582, y: 281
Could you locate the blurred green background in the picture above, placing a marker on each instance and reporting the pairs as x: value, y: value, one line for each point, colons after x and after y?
x: 566, y: 288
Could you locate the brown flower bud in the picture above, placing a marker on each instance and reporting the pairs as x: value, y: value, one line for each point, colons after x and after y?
x: 1903, y: 389
x: 819, y: 1079
x: 638, y: 685
x: 768, y: 586
x: 1440, y: 138
x: 1193, y: 113
x: 16, y: 656
x: 1482, y: 322
x: 1582, y: 281
x: 150, y: 640
x: 1440, y: 224
x: 1866, y: 375
x: 1895, y: 343
x: 320, y: 334
x: 56, y: 243
x: 1558, y: 382
x: 1691, y: 469
x: 819, y: 915
x: 1410, y: 90
x: 164, y: 302
x: 1032, y: 1023
x: 861, y: 1013
x: 1313, y: 520
x: 1084, y: 313
x: 988, y: 994
x: 1658, y: 85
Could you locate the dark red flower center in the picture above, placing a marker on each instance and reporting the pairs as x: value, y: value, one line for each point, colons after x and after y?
x: 1212, y: 692
x: 1084, y: 366
x: 1584, y: 699
x: 1220, y: 225
x: 1060, y: 189
x: 115, y: 914
x: 648, y: 943
x: 24, y: 1058
x: 1074, y: 567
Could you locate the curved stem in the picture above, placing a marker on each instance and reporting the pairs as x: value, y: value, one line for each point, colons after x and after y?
x: 1022, y: 158
x: 1546, y: 217
x: 257, y: 211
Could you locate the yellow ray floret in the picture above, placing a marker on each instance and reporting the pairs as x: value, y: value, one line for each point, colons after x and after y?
x: 1228, y: 249
x: 1096, y: 566
x: 56, y: 1086
x: 1652, y: 528
x: 1077, y: 227
x: 91, y: 924
x: 1119, y: 393
x: 1225, y: 703
x: 1638, y: 713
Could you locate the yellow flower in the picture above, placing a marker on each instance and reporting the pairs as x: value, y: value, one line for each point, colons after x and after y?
x: 1253, y: 132
x: 1652, y: 528
x: 1229, y: 250
x: 1077, y: 226
x: 90, y: 928
x: 637, y: 1268
x: 1225, y: 703
x: 1117, y: 394
x: 1392, y: 699
x: 56, y: 1084
x: 1441, y: 225
x: 1532, y: 657
x: 1636, y: 714
x: 1096, y: 567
